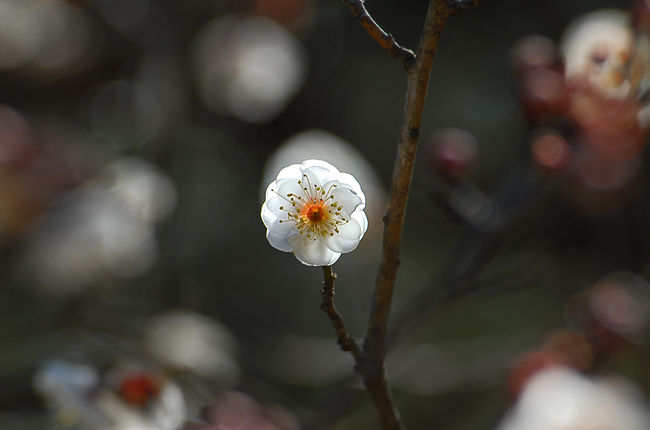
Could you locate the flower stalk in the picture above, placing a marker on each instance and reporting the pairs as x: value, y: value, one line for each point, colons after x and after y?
x: 345, y: 341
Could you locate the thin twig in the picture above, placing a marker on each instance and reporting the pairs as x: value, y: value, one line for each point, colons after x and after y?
x: 345, y: 341
x: 385, y: 40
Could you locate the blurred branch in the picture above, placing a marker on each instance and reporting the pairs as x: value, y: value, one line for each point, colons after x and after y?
x: 384, y: 39
x: 345, y: 341
x: 459, y: 275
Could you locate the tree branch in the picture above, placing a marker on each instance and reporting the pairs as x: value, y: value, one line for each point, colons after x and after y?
x: 345, y: 341
x: 418, y: 80
x: 384, y: 39
x: 370, y: 359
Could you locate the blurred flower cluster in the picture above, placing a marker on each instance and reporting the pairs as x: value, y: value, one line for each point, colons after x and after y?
x: 586, y: 104
x: 126, y: 398
x: 608, y: 320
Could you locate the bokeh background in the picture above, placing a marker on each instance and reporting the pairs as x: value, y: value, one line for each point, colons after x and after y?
x: 136, y: 284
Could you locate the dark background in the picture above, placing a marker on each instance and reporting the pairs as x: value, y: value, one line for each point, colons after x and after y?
x: 482, y: 297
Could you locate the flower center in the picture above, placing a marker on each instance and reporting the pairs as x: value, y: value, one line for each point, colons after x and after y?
x: 315, y: 213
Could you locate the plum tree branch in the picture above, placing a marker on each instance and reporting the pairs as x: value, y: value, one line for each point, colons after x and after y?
x: 370, y: 357
x: 417, y: 83
x: 385, y: 40
x: 345, y: 341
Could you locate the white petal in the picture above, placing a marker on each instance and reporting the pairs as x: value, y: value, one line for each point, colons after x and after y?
x: 278, y: 240
x: 278, y: 206
x: 289, y: 186
x: 276, y: 231
x: 347, y: 239
x: 351, y: 182
x: 346, y: 198
x: 292, y: 171
x: 281, y: 187
x: 272, y: 222
x: 360, y: 216
x: 312, y: 252
x: 268, y: 216
x: 308, y: 164
x: 319, y: 171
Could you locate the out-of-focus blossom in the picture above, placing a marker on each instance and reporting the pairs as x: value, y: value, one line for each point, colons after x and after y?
x: 194, y: 343
x: 50, y: 34
x: 536, y: 51
x: 640, y: 62
x: 576, y: 351
x: 561, y: 348
x: 603, y: 74
x: 248, y: 67
x: 453, y: 154
x: 601, y: 172
x: 104, y: 231
x: 314, y: 211
x: 236, y: 410
x: 561, y: 399
x: 80, y: 400
x: 612, y: 312
x: 550, y: 150
x: 475, y: 208
x: 539, y: 74
x: 138, y: 398
x: 543, y: 95
x: 597, y: 48
x: 67, y: 388
x: 142, y: 189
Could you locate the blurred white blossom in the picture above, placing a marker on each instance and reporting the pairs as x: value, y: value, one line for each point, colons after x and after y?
x: 248, y: 67
x: 79, y: 399
x: 194, y: 343
x: 597, y: 48
x: 104, y: 231
x: 314, y: 211
x: 46, y: 33
x: 561, y: 399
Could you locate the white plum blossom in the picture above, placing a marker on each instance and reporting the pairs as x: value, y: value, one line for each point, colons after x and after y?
x: 562, y: 399
x: 314, y: 211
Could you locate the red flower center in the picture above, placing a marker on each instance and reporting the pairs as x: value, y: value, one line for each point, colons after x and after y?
x: 315, y: 213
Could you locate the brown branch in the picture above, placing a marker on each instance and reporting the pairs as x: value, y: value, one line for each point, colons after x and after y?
x: 345, y: 341
x: 370, y: 359
x: 374, y: 382
x: 418, y: 72
x: 385, y: 40
x: 418, y: 80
